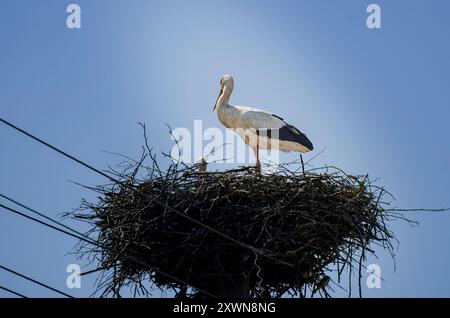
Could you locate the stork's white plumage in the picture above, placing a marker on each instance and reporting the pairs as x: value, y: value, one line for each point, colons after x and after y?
x: 258, y: 128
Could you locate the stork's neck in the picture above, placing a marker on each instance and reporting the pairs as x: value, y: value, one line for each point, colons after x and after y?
x: 224, y: 98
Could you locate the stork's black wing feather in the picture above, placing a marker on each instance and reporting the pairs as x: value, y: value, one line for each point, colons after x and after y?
x: 291, y: 133
x: 277, y: 117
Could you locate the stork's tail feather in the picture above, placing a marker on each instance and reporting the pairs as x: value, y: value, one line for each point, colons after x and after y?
x: 291, y: 133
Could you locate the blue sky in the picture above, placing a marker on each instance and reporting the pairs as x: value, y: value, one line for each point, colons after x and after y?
x: 378, y: 100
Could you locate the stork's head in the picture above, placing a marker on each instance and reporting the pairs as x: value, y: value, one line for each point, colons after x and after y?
x: 226, y: 81
x: 226, y: 85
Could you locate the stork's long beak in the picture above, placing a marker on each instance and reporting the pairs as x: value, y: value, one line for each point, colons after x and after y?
x: 220, y: 94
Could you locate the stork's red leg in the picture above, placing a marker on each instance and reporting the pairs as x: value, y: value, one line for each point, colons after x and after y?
x: 257, y: 156
x: 256, y: 151
x: 258, y: 163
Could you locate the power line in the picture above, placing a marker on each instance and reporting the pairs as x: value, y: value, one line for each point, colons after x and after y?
x: 12, y: 292
x: 90, y: 241
x: 56, y: 149
x: 43, y: 215
x: 34, y: 281
x: 245, y: 245
x: 81, y: 236
x: 45, y: 224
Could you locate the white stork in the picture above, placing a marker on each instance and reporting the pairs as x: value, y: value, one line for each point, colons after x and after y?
x: 259, y: 129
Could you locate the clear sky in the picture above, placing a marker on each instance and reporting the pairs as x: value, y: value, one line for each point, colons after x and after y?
x: 378, y: 100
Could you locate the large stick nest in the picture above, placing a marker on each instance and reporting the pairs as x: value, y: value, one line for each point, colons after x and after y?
x: 249, y: 234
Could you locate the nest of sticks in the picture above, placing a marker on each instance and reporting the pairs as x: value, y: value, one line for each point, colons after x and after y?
x: 232, y: 233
